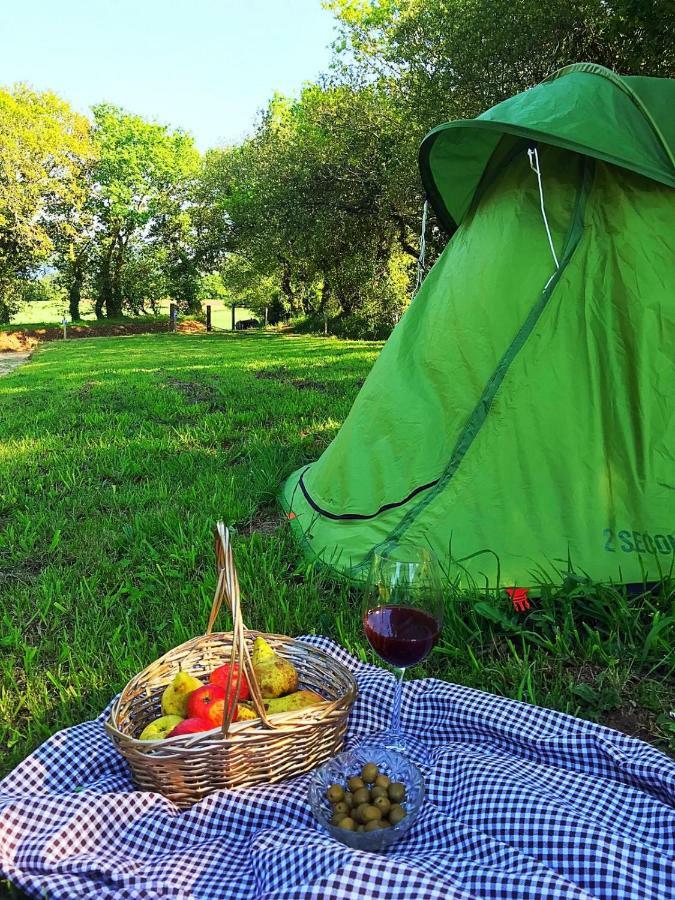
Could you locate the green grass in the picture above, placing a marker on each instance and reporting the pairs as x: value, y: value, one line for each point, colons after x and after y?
x: 117, y: 455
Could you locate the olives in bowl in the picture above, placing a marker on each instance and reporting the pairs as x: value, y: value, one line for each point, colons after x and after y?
x: 368, y: 797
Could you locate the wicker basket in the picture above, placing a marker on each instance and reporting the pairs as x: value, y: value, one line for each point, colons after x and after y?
x: 271, y: 748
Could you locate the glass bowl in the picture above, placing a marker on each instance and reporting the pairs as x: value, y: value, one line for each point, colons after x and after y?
x: 342, y: 767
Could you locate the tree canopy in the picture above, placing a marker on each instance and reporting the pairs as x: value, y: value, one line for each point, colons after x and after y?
x: 317, y: 212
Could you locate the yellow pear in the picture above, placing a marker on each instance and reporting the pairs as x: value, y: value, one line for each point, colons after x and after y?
x: 175, y: 696
x: 274, y: 674
x: 244, y: 711
x: 159, y: 729
x: 298, y: 700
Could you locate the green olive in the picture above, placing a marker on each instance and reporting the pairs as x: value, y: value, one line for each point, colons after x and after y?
x: 369, y: 773
x: 371, y: 813
x: 382, y: 781
x: 383, y: 823
x: 382, y: 803
x: 337, y: 818
x: 348, y: 824
x: 358, y: 812
x: 378, y: 791
x: 360, y: 828
x: 396, y: 814
x: 335, y: 793
x: 372, y: 825
x: 355, y: 783
x: 362, y: 796
x: 341, y: 807
x: 396, y: 791
x: 348, y: 799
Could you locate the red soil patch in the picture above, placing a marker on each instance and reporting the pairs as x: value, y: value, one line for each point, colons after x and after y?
x: 27, y: 339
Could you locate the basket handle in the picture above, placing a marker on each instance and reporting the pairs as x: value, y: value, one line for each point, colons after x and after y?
x: 227, y: 589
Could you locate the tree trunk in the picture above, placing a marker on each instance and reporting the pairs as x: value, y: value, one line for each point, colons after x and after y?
x: 113, y: 302
x: 113, y: 306
x: 75, y: 295
x: 326, y: 293
x: 105, y: 287
x: 286, y: 282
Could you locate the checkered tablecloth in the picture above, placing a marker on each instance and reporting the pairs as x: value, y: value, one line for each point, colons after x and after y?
x: 522, y: 803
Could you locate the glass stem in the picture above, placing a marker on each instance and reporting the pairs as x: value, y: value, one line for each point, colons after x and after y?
x: 396, y: 707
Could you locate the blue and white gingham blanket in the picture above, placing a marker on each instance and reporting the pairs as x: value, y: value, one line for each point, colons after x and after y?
x: 522, y: 803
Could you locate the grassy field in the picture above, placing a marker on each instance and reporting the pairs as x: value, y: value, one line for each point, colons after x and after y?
x: 117, y: 455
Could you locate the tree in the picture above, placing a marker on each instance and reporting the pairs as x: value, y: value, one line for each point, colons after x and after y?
x: 74, y: 228
x: 143, y: 175
x: 43, y: 145
x: 308, y: 204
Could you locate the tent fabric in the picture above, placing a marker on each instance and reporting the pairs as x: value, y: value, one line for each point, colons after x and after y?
x: 627, y: 121
x: 519, y: 419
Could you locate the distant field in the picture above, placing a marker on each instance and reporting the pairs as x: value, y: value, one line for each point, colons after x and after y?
x: 117, y: 455
x: 50, y: 312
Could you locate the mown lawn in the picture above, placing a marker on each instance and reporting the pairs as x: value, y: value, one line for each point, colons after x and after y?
x: 117, y: 455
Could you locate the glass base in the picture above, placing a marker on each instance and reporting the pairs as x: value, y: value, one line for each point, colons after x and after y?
x: 404, y: 743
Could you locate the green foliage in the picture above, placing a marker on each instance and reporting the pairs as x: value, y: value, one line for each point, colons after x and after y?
x: 307, y: 207
x: 43, y: 145
x: 143, y: 178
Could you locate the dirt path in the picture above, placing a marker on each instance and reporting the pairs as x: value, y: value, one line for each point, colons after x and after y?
x: 11, y: 359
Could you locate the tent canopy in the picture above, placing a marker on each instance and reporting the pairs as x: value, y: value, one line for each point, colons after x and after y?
x: 628, y: 121
x: 519, y: 419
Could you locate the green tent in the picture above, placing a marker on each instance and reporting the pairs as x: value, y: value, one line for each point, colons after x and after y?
x: 520, y: 419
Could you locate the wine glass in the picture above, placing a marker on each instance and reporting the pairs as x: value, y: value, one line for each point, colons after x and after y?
x: 402, y: 617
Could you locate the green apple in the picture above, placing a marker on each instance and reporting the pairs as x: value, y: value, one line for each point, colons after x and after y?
x: 160, y: 728
x: 174, y: 698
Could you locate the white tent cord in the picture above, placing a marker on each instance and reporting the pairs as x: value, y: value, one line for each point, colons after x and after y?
x: 534, y: 165
x: 423, y: 247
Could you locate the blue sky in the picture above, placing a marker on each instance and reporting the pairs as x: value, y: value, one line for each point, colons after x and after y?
x: 207, y: 65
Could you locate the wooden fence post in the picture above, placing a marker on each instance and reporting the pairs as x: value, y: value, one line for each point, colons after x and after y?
x: 208, y: 318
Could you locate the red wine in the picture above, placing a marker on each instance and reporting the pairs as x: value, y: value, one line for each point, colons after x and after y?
x: 401, y: 635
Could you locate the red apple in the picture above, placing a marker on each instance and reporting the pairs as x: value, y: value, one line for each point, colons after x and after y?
x: 216, y: 713
x: 239, y: 686
x: 200, y: 701
x: 191, y: 726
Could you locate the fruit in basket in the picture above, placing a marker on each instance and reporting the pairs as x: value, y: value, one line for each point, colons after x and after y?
x: 175, y: 696
x: 160, y: 728
x: 274, y: 674
x: 244, y: 711
x: 216, y: 713
x: 201, y: 700
x: 298, y: 700
x: 239, y: 686
x: 192, y: 725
